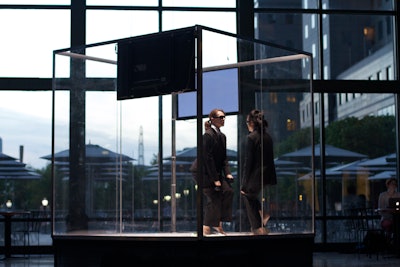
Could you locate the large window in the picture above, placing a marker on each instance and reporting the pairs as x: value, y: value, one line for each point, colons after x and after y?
x: 29, y: 40
x: 361, y: 50
x: 357, y: 49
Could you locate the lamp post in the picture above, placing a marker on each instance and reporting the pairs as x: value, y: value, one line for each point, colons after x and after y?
x: 166, y: 206
x: 8, y: 204
x: 45, y: 203
x: 186, y: 193
x: 178, y: 196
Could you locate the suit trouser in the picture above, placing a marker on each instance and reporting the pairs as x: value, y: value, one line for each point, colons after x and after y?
x: 218, y: 205
x: 253, y: 207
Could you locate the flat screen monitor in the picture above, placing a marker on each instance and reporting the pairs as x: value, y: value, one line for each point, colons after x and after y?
x: 220, y: 90
x: 156, y: 64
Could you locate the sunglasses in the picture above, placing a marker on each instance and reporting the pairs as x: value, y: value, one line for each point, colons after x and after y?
x: 220, y: 117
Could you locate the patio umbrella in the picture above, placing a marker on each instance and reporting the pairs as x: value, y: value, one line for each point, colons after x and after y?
x: 189, y: 154
x: 332, y: 155
x: 330, y: 174
x: 382, y: 167
x: 337, y: 172
x: 384, y: 162
x: 383, y: 175
x: 354, y: 167
x: 289, y: 168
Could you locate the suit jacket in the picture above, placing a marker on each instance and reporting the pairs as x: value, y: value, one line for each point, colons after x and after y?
x: 259, y: 167
x: 215, y: 161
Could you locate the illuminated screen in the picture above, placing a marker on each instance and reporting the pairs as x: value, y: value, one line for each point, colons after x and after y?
x: 220, y: 90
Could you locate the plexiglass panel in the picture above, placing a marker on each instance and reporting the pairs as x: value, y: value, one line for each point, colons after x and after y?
x: 119, y: 24
x: 367, y: 55
x: 122, y: 167
x: 303, y: 29
x: 286, y: 4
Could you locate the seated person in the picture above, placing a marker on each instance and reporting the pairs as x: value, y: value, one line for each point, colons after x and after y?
x: 383, y: 203
x: 350, y: 201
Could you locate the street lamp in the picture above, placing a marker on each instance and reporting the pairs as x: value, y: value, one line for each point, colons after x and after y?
x: 8, y: 204
x: 45, y: 203
x: 186, y: 193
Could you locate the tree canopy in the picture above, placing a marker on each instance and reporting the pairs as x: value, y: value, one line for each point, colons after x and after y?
x: 372, y: 136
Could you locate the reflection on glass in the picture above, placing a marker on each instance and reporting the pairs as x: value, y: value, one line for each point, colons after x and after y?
x: 306, y: 4
x: 362, y: 50
x: 117, y: 192
x: 293, y: 30
x: 364, y: 162
x: 358, y: 5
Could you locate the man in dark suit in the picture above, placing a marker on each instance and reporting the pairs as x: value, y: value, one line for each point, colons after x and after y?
x: 217, y: 180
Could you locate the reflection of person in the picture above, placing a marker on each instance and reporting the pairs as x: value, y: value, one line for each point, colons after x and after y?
x: 217, y: 189
x: 258, y: 169
x: 383, y: 203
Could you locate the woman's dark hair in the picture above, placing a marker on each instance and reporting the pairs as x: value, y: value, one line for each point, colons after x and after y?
x: 257, y: 117
x: 391, y: 180
x: 207, y: 125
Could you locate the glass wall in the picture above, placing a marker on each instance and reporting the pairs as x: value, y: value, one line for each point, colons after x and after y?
x: 359, y: 48
x: 112, y: 194
x: 363, y: 51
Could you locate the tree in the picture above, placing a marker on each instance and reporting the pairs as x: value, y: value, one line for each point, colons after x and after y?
x: 372, y: 136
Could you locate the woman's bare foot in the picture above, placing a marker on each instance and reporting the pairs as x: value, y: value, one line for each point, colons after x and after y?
x: 265, y: 217
x: 206, y: 230
x: 260, y: 231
